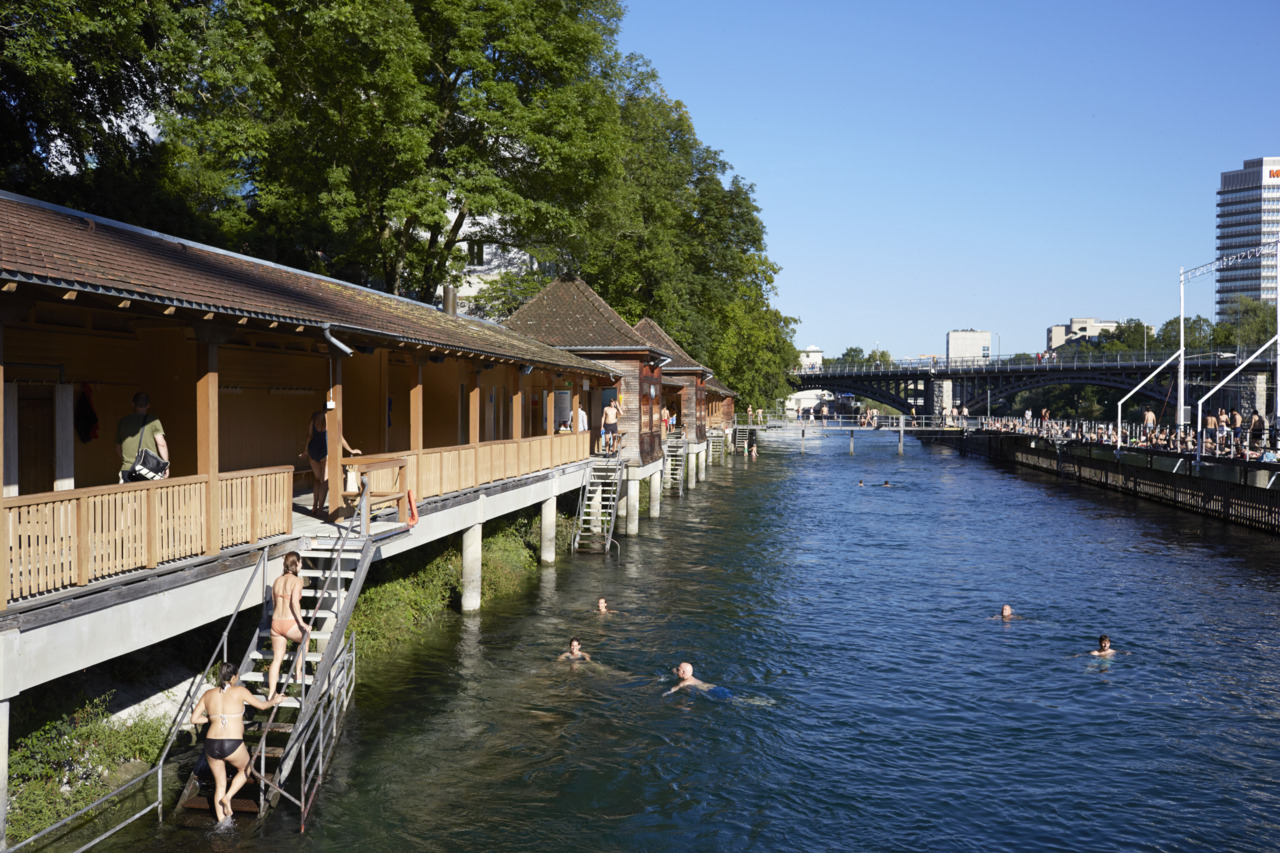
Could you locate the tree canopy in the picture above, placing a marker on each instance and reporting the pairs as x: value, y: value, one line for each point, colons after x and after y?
x: 372, y: 140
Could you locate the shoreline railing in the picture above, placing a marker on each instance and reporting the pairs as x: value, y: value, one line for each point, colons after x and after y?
x: 1023, y: 362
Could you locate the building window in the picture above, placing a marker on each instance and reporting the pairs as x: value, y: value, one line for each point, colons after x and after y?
x: 475, y: 253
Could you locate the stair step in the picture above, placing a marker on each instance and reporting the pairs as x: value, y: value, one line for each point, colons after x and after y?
x: 345, y: 574
x: 265, y: 654
x: 262, y: 677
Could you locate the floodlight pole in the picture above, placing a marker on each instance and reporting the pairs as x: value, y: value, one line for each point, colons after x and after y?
x: 1182, y: 348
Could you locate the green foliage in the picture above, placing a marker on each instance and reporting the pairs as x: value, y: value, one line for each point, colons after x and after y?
x: 66, y: 765
x: 369, y: 139
x: 856, y: 355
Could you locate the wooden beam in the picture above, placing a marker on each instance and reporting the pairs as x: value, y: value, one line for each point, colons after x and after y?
x: 10, y: 286
x: 207, y: 441
x: 6, y: 566
x: 333, y: 423
x: 69, y: 296
x: 517, y: 405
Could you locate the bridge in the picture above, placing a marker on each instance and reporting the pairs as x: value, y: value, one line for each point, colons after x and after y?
x: 934, y: 385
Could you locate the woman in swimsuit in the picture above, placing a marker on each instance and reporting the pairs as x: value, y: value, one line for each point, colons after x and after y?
x: 575, y: 652
x: 222, y: 707
x: 286, y: 621
x: 317, y: 452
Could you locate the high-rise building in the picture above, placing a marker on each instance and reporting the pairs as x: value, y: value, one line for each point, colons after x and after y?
x: 1248, y: 215
x: 968, y: 343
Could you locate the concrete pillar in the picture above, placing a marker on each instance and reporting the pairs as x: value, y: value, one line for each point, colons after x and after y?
x: 655, y: 495
x: 633, y: 507
x: 1253, y: 394
x: 596, y: 502
x: 548, y: 554
x: 64, y: 474
x: 10, y: 440
x: 4, y: 770
x: 702, y: 465
x: 690, y: 470
x: 471, y: 568
x: 939, y: 392
x: 624, y: 488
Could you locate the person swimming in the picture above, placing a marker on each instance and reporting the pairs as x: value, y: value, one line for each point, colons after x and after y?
x: 1104, y: 649
x: 685, y: 673
x: 575, y: 652
x: 602, y: 606
x: 1006, y: 613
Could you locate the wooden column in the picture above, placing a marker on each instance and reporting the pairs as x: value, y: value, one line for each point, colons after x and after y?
x: 577, y: 384
x: 333, y: 423
x: 416, y: 415
x: 517, y: 405
x: 473, y: 407
x: 4, y: 528
x: 207, y: 441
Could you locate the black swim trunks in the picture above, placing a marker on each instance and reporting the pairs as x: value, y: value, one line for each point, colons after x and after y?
x: 221, y: 748
x: 611, y: 428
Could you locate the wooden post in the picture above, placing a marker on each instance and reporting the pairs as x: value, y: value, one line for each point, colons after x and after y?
x: 473, y: 407
x: 333, y: 423
x: 7, y: 566
x: 151, y: 512
x: 207, y: 443
x: 415, y: 429
x: 573, y: 416
x: 84, y: 552
x: 517, y: 406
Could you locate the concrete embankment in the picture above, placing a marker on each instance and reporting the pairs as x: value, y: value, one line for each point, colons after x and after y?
x: 1231, y: 490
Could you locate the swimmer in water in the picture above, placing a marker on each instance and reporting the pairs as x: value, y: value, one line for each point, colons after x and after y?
x: 685, y: 673
x: 859, y: 482
x: 1006, y: 613
x: 886, y: 482
x: 602, y: 606
x: 575, y: 652
x: 1104, y: 649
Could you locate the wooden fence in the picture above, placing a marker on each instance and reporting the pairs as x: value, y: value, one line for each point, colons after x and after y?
x: 63, y: 539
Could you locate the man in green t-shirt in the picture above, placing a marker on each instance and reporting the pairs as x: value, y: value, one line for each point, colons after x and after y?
x: 139, y: 430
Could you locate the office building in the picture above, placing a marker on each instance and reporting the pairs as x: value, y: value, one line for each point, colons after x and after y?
x: 1248, y: 216
x: 968, y: 343
x: 1079, y: 329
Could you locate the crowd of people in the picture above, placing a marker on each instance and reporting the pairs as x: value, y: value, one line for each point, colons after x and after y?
x: 1223, y: 434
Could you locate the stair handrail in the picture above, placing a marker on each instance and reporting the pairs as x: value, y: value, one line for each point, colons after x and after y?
x: 307, y: 711
x: 258, y: 759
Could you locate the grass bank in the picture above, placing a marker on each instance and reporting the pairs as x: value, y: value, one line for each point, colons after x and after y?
x: 411, y: 589
x: 69, y: 762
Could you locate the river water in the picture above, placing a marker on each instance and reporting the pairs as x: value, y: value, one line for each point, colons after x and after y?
x: 875, y: 705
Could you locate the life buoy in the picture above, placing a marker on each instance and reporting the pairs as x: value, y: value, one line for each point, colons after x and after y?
x: 413, y: 509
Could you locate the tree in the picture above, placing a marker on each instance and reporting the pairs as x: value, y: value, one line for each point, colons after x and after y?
x: 1246, y: 325
x: 79, y: 85
x: 370, y: 139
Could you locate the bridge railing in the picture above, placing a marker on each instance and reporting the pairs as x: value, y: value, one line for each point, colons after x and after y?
x: 1221, y: 442
x: 1074, y: 360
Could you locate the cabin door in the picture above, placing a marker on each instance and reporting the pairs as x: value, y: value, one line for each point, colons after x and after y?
x: 36, y: 432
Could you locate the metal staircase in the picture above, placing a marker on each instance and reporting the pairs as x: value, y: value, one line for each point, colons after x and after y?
x: 715, y: 445
x: 740, y: 438
x: 675, y: 455
x: 598, y: 505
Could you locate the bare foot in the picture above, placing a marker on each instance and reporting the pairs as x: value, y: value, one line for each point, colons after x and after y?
x: 226, y: 804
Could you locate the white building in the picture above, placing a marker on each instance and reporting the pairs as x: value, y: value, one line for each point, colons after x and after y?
x: 811, y: 358
x: 1248, y: 215
x: 968, y: 343
x: 1079, y: 329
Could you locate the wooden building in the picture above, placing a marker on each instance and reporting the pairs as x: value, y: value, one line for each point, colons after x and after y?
x: 683, y: 371
x: 236, y: 355
x: 570, y: 315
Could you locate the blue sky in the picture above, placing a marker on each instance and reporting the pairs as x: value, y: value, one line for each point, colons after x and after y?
x: 930, y: 166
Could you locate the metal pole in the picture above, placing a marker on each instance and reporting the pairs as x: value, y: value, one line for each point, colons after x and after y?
x: 1182, y: 345
x: 900, y: 434
x: 850, y: 440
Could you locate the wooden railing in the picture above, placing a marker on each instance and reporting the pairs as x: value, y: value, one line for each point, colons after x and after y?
x: 64, y: 539
x: 441, y: 470
x: 256, y: 504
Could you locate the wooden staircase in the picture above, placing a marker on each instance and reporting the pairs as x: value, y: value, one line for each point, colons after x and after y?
x: 598, y: 505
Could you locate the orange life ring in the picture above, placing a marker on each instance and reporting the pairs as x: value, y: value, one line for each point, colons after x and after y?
x: 413, y: 509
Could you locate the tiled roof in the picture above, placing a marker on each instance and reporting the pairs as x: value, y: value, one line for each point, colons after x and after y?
x: 719, y: 387
x: 654, y: 334
x: 57, y: 247
x: 568, y: 313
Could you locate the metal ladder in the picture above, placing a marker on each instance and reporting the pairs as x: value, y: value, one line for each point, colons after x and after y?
x: 675, y: 454
x: 598, y: 505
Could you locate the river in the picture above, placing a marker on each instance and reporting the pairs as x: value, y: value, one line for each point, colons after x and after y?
x: 875, y: 704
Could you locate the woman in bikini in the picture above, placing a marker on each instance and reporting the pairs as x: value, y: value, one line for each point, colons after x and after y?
x: 286, y: 621
x: 222, y: 707
x: 317, y: 452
